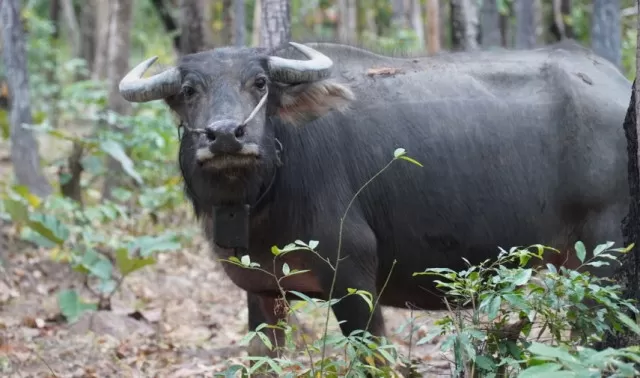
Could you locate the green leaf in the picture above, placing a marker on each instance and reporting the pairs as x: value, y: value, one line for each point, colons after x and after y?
x: 580, y: 251
x: 539, y: 370
x: 551, y: 352
x: 146, y: 245
x: 71, y: 306
x: 102, y: 268
x: 485, y: 363
x: 18, y: 211
x: 632, y: 324
x: 517, y: 301
x: 49, y: 226
x: 494, y: 307
x: 285, y: 269
x: 411, y: 160
x: 522, y: 277
x: 364, y: 295
x: 313, y: 244
x: 245, y: 260
x: 602, y: 247
x: 127, y: 264
x: 116, y: 151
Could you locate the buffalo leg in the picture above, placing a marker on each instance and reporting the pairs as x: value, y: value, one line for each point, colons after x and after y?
x: 264, y: 310
x: 357, y: 270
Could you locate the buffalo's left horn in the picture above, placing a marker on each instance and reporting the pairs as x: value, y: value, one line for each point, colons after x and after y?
x: 297, y: 71
x: 136, y: 89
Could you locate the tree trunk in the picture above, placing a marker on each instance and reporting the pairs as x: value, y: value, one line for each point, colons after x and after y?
x: 464, y: 24
x: 101, y: 55
x: 24, y: 146
x: 88, y: 22
x: 490, y: 24
x: 276, y: 23
x: 347, y: 21
x: 505, y: 26
x: 628, y: 272
x: 257, y: 23
x: 416, y: 20
x: 606, y: 35
x: 118, y: 66
x: 73, y: 27
x: 239, y: 34
x: 398, y: 19
x: 433, y: 26
x: 561, y: 11
x: 525, y: 24
x: 228, y: 23
x: 195, y: 34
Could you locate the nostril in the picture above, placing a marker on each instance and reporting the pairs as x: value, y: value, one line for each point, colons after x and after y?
x: 240, y: 131
x: 211, y: 134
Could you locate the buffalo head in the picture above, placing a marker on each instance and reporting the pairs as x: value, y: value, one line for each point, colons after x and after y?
x: 225, y: 98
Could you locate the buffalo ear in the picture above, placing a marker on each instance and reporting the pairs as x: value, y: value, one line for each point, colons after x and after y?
x: 302, y: 102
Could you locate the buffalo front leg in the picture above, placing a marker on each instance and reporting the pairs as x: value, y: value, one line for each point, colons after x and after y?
x: 265, y: 310
x: 357, y: 270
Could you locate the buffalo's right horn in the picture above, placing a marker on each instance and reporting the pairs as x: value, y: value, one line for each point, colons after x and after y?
x: 136, y: 89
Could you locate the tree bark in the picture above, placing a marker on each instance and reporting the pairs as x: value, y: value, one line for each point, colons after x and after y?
x: 118, y: 66
x: 433, y: 27
x: 347, y: 22
x: 239, y: 35
x: 257, y: 23
x: 88, y: 35
x: 24, y: 146
x: 525, y: 24
x: 465, y: 25
x: 101, y: 54
x: 73, y: 27
x: 228, y: 22
x: 628, y: 272
x: 276, y: 23
x: 416, y: 20
x: 195, y: 34
x: 398, y: 19
x: 561, y: 10
x: 490, y: 24
x: 606, y: 34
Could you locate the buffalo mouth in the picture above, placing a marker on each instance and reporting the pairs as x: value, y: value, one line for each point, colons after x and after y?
x: 247, y: 156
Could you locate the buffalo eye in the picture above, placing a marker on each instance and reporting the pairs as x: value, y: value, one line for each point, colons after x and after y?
x: 260, y: 82
x: 188, y: 91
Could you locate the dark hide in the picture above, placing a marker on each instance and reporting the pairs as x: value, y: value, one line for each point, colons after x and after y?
x: 518, y: 148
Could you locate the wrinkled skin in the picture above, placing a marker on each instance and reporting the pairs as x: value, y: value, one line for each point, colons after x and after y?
x: 518, y: 148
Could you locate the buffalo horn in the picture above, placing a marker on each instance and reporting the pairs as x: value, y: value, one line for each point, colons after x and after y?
x: 297, y: 71
x: 136, y: 89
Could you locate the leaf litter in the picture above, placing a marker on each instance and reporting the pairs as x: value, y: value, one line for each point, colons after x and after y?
x: 181, y: 317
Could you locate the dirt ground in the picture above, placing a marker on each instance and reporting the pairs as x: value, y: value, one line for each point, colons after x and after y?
x: 189, y: 321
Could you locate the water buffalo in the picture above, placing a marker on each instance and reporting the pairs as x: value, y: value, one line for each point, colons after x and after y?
x: 518, y: 148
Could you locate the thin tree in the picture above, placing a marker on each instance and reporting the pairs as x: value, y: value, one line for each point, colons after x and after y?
x: 239, y: 34
x: 118, y: 65
x: 490, y: 24
x: 433, y: 26
x: 347, y: 22
x: 606, y: 33
x: 525, y: 24
x: 24, y: 146
x: 465, y: 25
x: 276, y: 23
x: 628, y: 273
